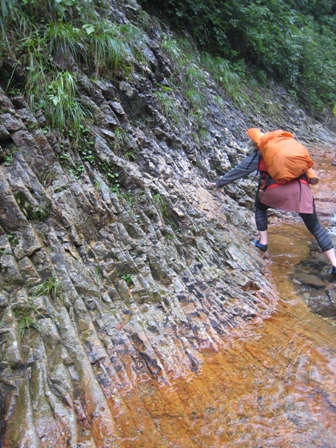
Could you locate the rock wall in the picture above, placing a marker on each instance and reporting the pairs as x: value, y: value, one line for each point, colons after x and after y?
x: 118, y: 264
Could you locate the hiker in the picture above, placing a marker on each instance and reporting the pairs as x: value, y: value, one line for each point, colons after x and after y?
x: 293, y: 196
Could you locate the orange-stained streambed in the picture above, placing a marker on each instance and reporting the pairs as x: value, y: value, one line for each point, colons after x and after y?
x: 274, y: 386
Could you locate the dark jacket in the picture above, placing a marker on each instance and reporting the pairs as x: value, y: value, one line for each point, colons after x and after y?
x: 243, y: 169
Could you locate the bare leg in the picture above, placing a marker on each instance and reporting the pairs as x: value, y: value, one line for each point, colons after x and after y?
x: 331, y: 256
x: 323, y: 239
x: 263, y: 237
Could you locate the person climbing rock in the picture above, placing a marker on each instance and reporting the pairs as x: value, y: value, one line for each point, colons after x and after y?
x: 293, y: 196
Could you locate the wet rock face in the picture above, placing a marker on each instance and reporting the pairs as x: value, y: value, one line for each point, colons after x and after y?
x: 102, y: 287
x: 117, y: 265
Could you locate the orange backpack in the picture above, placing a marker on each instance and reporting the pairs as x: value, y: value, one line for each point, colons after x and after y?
x: 286, y: 159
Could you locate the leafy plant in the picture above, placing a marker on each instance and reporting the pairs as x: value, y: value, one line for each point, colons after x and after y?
x: 263, y: 39
x: 49, y: 287
x: 61, y: 105
x: 195, y: 98
x: 194, y: 75
x: 173, y: 49
x: 88, y: 155
x: 136, y: 39
x: 78, y: 171
x: 130, y: 155
x: 31, y: 211
x: 113, y: 177
x: 36, y: 65
x: 127, y: 278
x: 132, y: 34
x: 8, y: 160
x: 65, y: 42
x: 107, y: 48
x: 26, y: 317
x: 120, y: 136
x: 64, y: 157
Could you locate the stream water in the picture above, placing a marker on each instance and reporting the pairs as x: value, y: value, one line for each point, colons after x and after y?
x: 274, y: 386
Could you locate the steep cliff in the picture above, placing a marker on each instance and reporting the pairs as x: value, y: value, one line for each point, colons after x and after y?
x: 118, y: 264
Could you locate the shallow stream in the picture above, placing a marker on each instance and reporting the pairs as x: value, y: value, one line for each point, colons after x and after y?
x: 274, y: 386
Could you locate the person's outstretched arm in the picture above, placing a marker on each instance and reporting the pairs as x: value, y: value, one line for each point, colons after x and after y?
x: 243, y: 169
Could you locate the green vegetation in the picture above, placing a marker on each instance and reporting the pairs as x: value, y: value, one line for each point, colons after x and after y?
x: 108, y: 50
x: 127, y: 278
x: 168, y: 104
x: 240, y: 43
x: 78, y: 171
x: 8, y: 160
x: 8, y: 154
x: 161, y: 203
x: 26, y: 317
x: 130, y: 156
x: 127, y: 197
x: 291, y: 41
x: 12, y: 238
x: 112, y: 176
x: 32, y: 212
x: 49, y: 40
x: 228, y: 75
x: 49, y: 287
x: 60, y: 104
x: 188, y: 82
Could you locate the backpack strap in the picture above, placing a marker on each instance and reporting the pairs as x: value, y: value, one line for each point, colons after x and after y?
x: 260, y: 177
x: 256, y: 153
x: 266, y: 179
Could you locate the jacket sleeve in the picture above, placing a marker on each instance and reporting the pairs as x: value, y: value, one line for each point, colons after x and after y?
x: 243, y: 169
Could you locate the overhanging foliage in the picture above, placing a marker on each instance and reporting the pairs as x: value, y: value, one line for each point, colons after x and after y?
x: 292, y: 41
